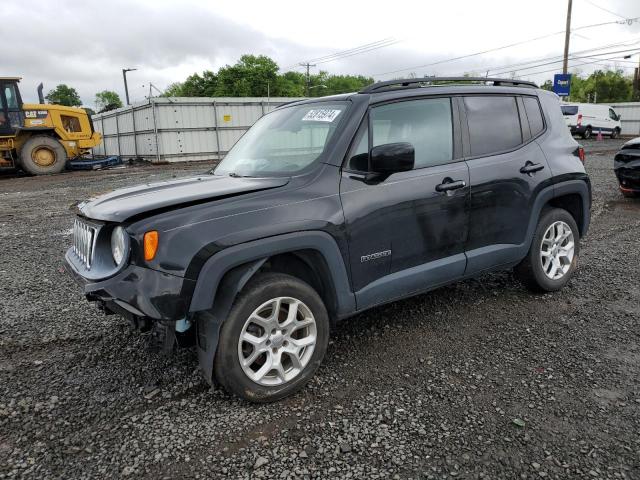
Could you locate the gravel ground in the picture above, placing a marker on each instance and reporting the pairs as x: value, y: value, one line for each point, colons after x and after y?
x: 477, y: 380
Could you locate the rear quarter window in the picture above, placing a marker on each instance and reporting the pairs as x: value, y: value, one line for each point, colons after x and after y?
x: 494, y: 124
x: 534, y: 115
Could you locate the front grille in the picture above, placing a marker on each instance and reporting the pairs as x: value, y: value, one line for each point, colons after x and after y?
x: 83, y: 242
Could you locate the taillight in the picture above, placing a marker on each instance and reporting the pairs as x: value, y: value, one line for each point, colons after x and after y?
x: 579, y: 152
x: 579, y: 119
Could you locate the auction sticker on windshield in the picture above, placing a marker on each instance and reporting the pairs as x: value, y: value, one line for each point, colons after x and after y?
x: 321, y: 115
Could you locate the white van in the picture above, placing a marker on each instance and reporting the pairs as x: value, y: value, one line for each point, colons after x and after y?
x: 586, y: 119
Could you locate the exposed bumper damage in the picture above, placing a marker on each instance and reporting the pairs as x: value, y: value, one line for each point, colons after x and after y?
x: 626, y: 165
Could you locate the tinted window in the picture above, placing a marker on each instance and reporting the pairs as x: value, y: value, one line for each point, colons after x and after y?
x: 532, y: 108
x: 569, y: 109
x: 494, y: 124
x: 425, y: 124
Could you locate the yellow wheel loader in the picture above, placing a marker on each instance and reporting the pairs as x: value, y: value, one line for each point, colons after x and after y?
x: 40, y: 138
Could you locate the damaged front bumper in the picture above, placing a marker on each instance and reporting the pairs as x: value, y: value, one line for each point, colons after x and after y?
x: 138, y: 291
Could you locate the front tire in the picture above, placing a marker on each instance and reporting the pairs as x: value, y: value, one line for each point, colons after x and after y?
x: 273, y: 340
x: 553, y: 255
x: 587, y: 133
x: 43, y: 155
x: 615, y: 133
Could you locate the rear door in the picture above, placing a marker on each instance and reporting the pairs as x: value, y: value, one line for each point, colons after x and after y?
x: 507, y: 169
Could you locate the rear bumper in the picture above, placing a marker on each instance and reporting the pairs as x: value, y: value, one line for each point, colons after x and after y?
x: 626, y: 165
x: 140, y: 291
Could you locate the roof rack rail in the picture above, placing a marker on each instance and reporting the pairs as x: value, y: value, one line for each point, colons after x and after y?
x: 406, y: 82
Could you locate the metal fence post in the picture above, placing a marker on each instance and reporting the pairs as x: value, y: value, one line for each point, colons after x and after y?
x: 104, y: 140
x: 215, y: 125
x: 118, y: 133
x: 135, y: 133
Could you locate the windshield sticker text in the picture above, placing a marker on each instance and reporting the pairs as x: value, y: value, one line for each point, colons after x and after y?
x: 321, y: 115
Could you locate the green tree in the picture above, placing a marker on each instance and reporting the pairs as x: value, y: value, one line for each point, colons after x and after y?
x: 107, y: 100
x: 64, y: 95
x: 603, y: 86
x: 251, y: 76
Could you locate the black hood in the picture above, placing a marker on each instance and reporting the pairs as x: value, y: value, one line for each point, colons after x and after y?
x: 122, y: 204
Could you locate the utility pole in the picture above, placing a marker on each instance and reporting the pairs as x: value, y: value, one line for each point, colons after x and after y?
x: 567, y: 34
x: 126, y: 88
x: 307, y: 65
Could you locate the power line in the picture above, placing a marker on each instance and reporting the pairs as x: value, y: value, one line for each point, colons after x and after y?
x: 572, y: 66
x: 573, y: 57
x: 503, y: 47
x: 362, y: 51
x: 627, y: 43
x: 350, y: 52
x: 605, y: 10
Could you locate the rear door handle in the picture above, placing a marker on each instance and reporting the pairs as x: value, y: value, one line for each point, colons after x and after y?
x: 531, y: 167
x: 448, y: 185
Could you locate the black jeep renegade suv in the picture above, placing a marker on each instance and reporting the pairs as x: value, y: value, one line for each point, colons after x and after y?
x: 328, y: 207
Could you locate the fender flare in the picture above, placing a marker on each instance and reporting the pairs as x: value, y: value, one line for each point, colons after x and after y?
x: 215, y: 268
x: 224, y: 275
x: 566, y: 187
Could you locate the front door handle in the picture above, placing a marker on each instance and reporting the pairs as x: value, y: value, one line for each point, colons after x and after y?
x: 448, y: 185
x: 530, y: 168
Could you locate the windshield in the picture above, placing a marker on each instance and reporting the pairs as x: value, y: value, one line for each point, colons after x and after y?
x: 569, y: 109
x: 284, y: 141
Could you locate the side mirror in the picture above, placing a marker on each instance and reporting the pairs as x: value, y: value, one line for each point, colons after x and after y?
x: 618, y: 117
x: 391, y: 158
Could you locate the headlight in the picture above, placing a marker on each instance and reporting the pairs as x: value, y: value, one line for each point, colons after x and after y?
x: 118, y: 245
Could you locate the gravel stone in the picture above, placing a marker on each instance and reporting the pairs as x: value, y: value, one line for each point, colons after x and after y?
x: 427, y: 387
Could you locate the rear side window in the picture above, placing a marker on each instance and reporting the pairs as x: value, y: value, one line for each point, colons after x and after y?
x: 534, y: 114
x: 425, y: 124
x: 569, y: 109
x: 494, y: 124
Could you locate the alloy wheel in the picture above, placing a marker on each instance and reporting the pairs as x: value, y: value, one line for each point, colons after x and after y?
x: 277, y: 341
x: 557, y: 250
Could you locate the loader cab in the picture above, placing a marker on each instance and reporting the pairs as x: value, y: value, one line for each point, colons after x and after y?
x: 10, y: 106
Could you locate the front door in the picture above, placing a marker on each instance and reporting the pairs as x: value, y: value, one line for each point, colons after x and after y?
x: 507, y: 170
x: 407, y: 233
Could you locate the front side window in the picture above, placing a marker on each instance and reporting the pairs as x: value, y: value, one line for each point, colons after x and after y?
x: 425, y: 124
x: 612, y: 114
x: 494, y: 124
x: 284, y: 141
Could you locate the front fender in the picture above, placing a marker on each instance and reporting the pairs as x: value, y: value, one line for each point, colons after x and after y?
x: 225, y: 273
x: 219, y: 264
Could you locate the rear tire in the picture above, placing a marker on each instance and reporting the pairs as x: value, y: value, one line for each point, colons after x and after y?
x: 43, y: 155
x: 266, y: 352
x: 553, y: 255
x: 587, y: 133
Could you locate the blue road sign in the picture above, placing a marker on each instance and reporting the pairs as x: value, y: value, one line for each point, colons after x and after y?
x: 562, y: 84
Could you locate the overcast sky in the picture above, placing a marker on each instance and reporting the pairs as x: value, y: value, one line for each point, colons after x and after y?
x: 86, y: 43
